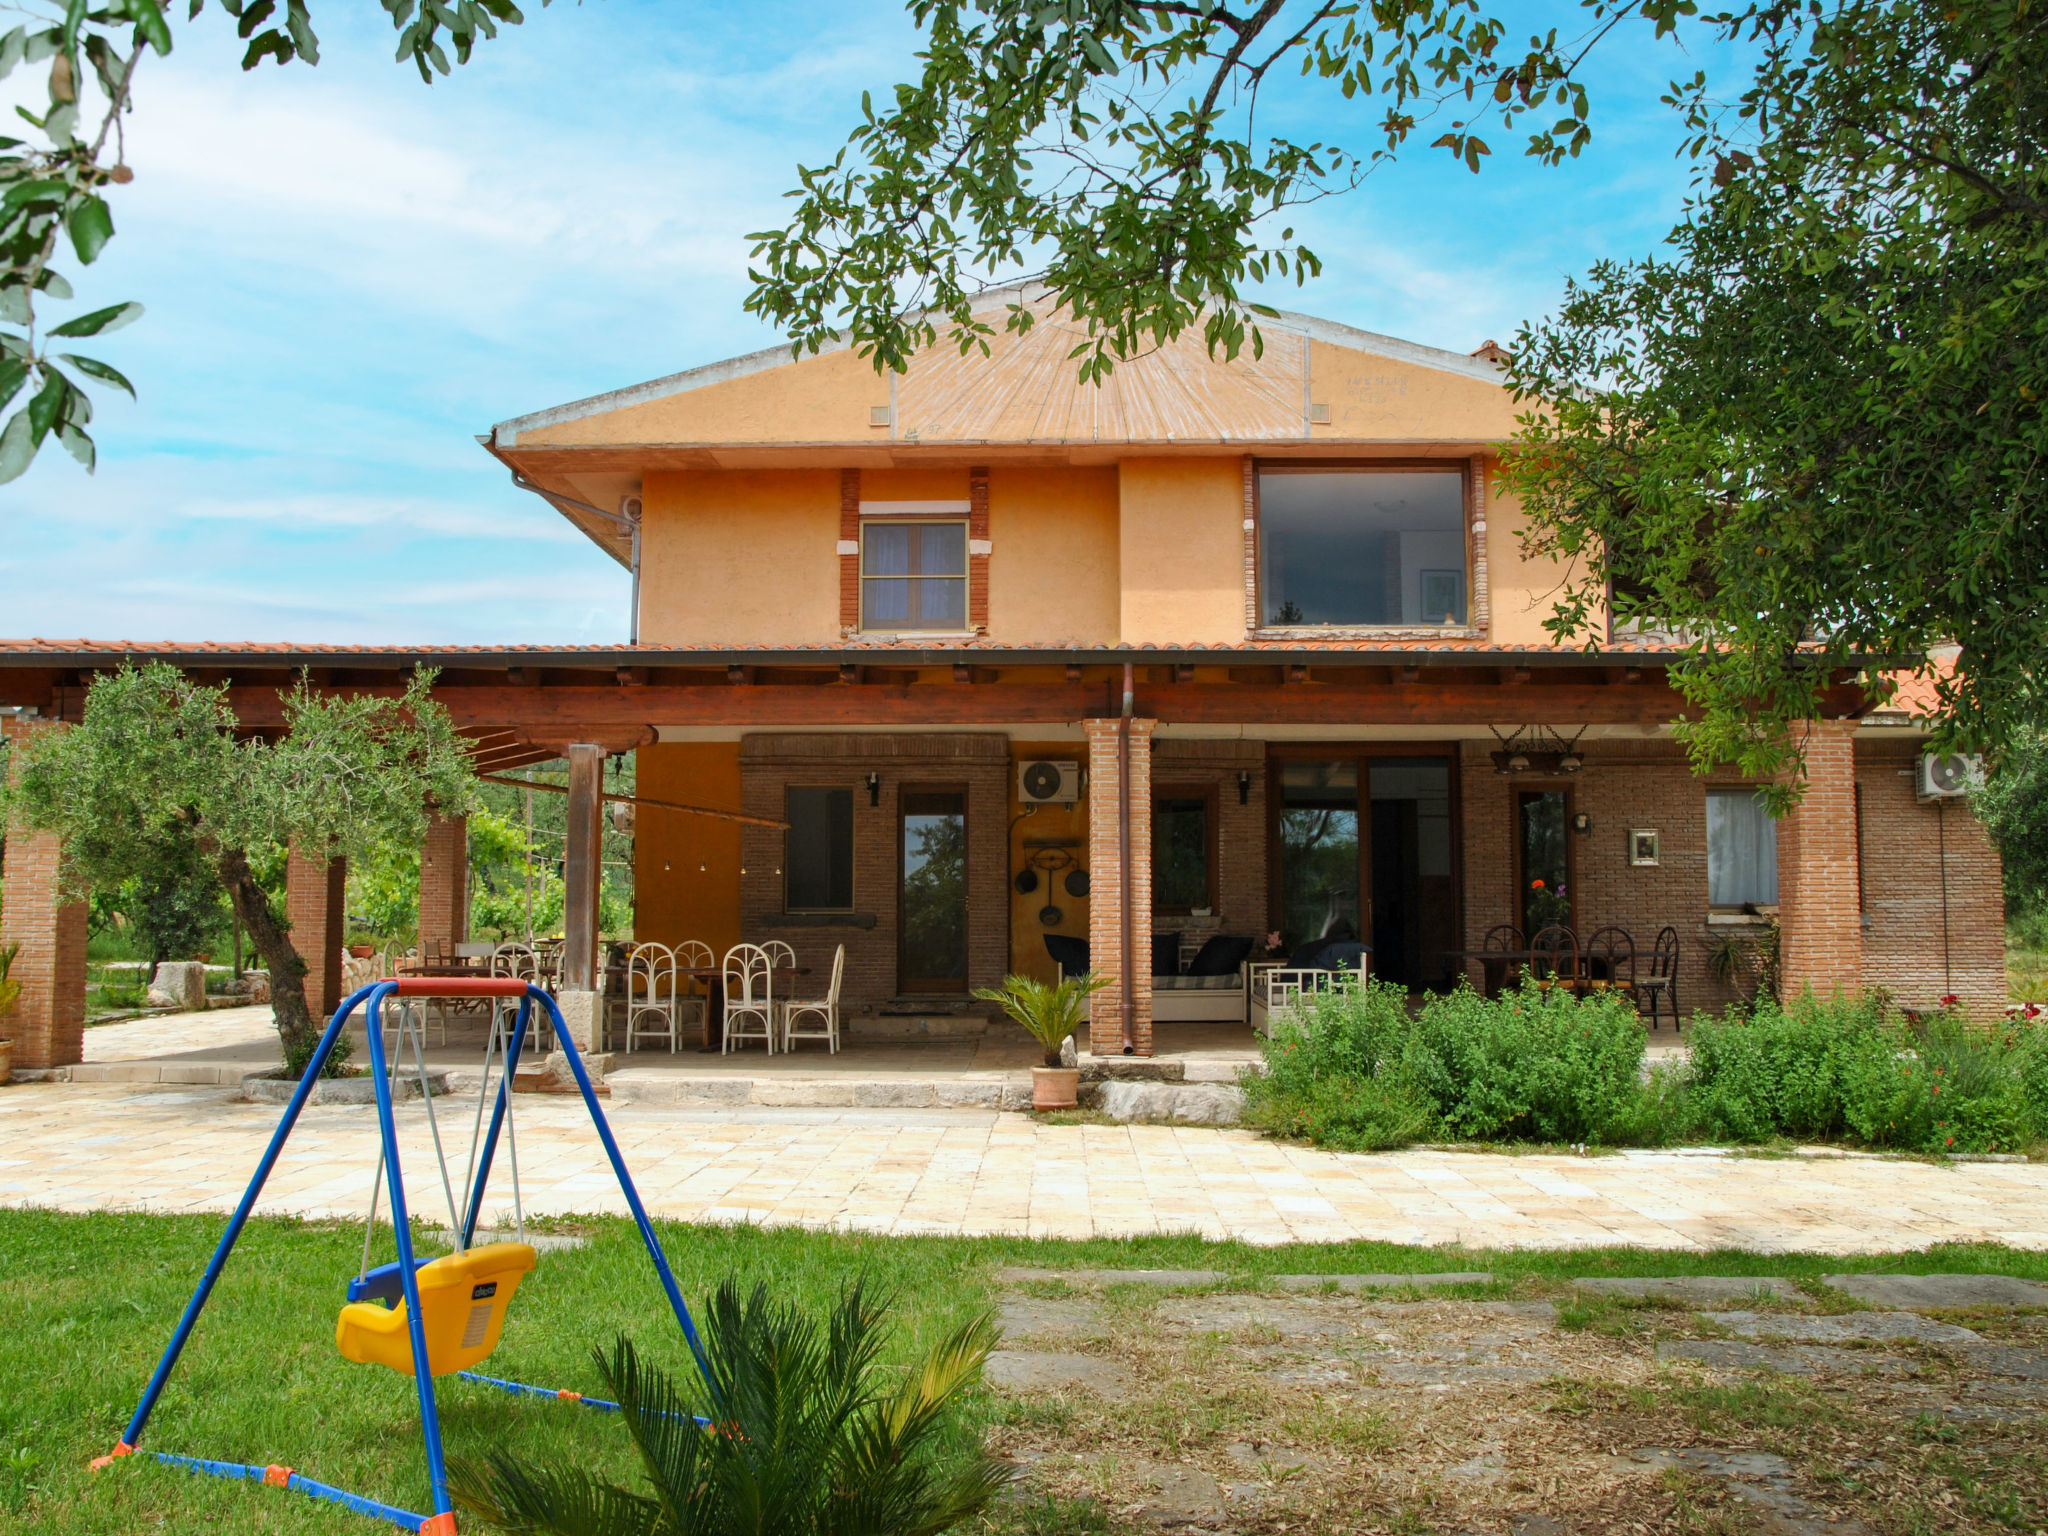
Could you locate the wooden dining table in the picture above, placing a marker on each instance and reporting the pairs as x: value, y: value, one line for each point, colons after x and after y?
x: 1494, y: 964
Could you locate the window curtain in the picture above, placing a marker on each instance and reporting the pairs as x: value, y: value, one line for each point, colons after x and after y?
x: 1742, y: 850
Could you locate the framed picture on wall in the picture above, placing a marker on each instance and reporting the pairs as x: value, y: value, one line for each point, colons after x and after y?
x: 1443, y: 597
x: 1642, y: 846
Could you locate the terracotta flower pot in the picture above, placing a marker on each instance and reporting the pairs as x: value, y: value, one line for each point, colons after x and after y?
x: 6, y: 1061
x: 1055, y: 1087
x: 362, y: 951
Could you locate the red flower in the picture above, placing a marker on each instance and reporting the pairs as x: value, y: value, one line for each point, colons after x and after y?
x: 1535, y: 885
x: 1949, y: 1000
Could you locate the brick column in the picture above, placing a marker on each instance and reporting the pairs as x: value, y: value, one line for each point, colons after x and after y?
x: 1106, y: 878
x: 444, y: 881
x: 1822, y: 926
x: 48, y: 1022
x: 315, y: 904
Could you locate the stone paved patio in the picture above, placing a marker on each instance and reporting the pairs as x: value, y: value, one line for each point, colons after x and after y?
x: 91, y: 1146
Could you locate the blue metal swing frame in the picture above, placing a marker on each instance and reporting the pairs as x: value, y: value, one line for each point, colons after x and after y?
x: 373, y: 997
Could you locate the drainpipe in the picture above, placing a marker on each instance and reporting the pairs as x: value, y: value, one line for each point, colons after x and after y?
x: 1123, y: 877
x: 630, y: 506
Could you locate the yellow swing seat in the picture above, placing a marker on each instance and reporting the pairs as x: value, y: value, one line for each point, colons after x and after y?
x: 463, y: 1298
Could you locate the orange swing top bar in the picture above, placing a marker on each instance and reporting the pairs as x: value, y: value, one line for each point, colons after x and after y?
x: 459, y: 986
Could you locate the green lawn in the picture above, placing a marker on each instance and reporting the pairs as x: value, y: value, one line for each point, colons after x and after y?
x: 87, y: 1303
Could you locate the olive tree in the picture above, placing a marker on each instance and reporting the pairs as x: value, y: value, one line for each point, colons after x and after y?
x: 158, y: 767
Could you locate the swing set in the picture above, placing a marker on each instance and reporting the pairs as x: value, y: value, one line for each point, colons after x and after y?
x: 422, y: 1317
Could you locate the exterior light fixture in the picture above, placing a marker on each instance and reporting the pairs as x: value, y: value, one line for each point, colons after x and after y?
x: 1582, y: 823
x: 1244, y: 786
x: 1571, y: 762
x: 1518, y: 764
x: 874, y: 789
x: 702, y: 867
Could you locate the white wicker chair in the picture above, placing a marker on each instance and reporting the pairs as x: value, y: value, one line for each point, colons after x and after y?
x: 819, y: 1016
x: 780, y: 955
x: 521, y: 960
x: 749, y: 997
x: 693, y: 994
x: 651, y: 995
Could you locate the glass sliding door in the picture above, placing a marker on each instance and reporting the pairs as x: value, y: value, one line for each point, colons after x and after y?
x: 1317, y: 847
x: 1543, y: 855
x: 932, y: 898
x: 1414, y: 897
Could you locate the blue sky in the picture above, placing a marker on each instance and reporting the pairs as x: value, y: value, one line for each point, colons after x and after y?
x: 349, y: 275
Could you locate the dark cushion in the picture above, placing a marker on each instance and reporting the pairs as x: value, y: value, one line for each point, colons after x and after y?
x: 1068, y: 953
x: 1309, y: 956
x: 1166, y: 954
x: 1344, y: 955
x: 1221, y: 955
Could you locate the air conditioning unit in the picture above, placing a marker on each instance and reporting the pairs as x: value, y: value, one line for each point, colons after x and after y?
x: 1047, y: 783
x: 1947, y: 775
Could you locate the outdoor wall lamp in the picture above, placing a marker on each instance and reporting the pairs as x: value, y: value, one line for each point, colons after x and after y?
x: 1582, y: 823
x: 1518, y: 764
x: 1571, y: 762
x: 1244, y: 787
x: 874, y: 789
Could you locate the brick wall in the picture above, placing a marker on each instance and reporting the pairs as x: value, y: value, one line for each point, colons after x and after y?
x: 1817, y: 873
x: 1241, y: 905
x: 315, y: 902
x: 1625, y: 785
x: 1921, y: 938
x: 979, y: 762
x: 48, y: 1022
x: 1106, y: 874
x: 849, y: 551
x: 444, y: 880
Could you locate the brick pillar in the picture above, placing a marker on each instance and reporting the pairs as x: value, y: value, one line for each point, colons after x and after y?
x: 1822, y: 926
x: 48, y: 1022
x: 315, y: 904
x: 1105, y: 885
x: 444, y: 881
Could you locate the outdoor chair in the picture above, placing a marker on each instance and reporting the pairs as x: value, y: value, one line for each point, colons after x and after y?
x: 1611, y: 960
x: 780, y: 955
x: 693, y: 993
x: 817, y: 1019
x: 1662, y: 982
x: 651, y: 995
x: 1554, y: 958
x: 749, y: 997
x: 1507, y: 938
x: 520, y: 960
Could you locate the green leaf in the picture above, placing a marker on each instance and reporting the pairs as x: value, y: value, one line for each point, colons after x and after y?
x: 92, y: 367
x: 46, y: 405
x: 77, y: 444
x: 54, y: 284
x: 14, y: 306
x: 41, y: 190
x: 92, y: 226
x: 150, y: 25
x: 100, y: 321
x: 13, y: 374
x: 17, y: 447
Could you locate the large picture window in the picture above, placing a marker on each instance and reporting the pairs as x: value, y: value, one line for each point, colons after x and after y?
x: 913, y: 576
x: 1742, y: 851
x: 817, y: 859
x: 1361, y: 547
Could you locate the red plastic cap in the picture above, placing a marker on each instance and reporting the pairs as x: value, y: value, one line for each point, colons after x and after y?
x: 277, y: 1477
x: 438, y: 1525
x: 459, y: 986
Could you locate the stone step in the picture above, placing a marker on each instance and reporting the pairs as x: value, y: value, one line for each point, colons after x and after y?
x: 642, y: 1086
x: 937, y: 1026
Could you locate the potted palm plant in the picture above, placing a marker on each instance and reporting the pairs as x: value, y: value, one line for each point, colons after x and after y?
x: 1051, y: 1014
x: 10, y: 993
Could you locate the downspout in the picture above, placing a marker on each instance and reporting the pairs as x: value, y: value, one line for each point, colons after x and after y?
x: 631, y: 507
x: 1127, y: 990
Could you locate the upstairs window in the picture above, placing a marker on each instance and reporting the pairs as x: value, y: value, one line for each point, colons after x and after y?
x: 818, y: 850
x: 913, y: 576
x: 1361, y: 547
x: 1742, y: 851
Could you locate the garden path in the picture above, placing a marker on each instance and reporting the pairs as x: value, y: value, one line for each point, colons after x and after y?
x: 88, y: 1146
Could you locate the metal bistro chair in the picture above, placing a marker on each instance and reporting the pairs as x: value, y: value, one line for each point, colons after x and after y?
x: 520, y: 960
x: 821, y: 1013
x: 651, y: 995
x: 1662, y: 982
x: 749, y: 997
x: 1554, y: 958
x: 1505, y: 937
x: 693, y: 993
x: 782, y: 956
x: 1611, y: 960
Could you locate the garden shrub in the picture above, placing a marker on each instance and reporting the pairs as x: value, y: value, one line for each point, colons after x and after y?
x: 1780, y: 1069
x: 1353, y: 1069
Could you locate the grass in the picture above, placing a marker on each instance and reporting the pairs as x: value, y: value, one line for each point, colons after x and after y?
x: 89, y: 1301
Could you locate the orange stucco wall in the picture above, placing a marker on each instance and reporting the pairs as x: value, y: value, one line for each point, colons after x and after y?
x: 1524, y: 591
x: 1046, y: 823
x: 1053, y: 576
x: 742, y: 557
x: 1371, y: 396
x: 815, y: 400
x: 675, y: 898
x: 1181, y: 550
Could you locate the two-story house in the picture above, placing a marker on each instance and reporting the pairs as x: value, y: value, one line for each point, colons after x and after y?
x: 1251, y: 650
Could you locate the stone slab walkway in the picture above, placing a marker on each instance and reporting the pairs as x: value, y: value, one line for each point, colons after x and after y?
x: 97, y: 1146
